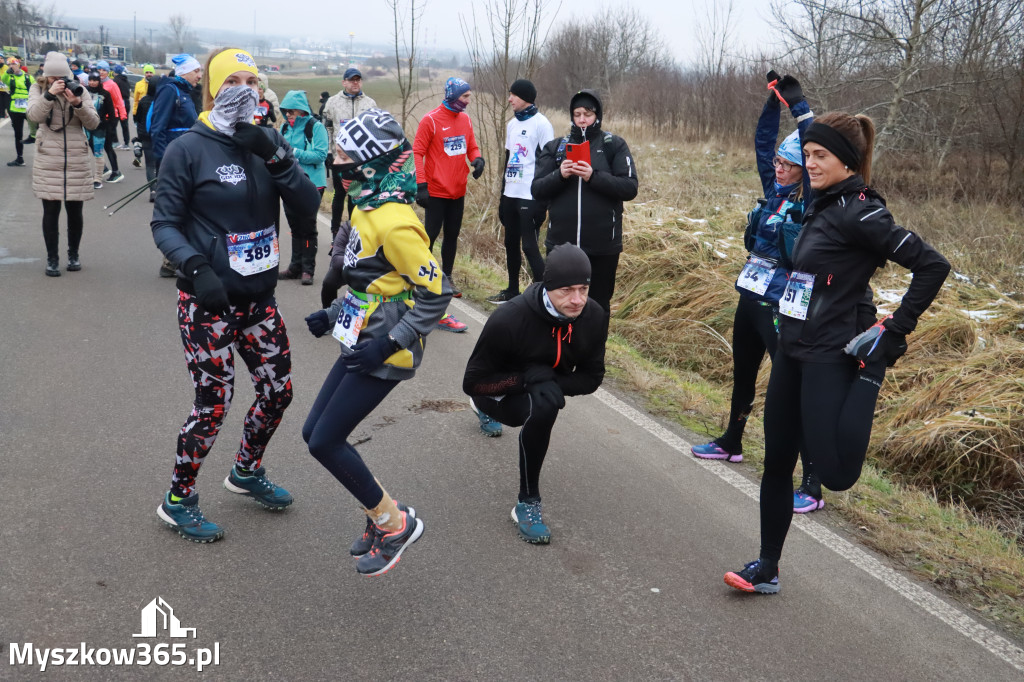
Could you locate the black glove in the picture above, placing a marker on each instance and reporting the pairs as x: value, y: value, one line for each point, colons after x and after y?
x: 547, y: 395
x: 877, y: 347
x: 369, y: 355
x: 252, y: 138
x: 318, y: 323
x: 536, y: 374
x: 478, y: 167
x: 773, y: 81
x: 790, y: 91
x: 329, y: 162
x: 210, y: 292
x: 422, y: 195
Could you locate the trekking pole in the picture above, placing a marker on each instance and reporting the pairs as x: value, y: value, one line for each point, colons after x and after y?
x: 128, y: 198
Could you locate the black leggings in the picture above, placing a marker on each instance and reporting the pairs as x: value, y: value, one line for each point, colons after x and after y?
x: 18, y: 126
x: 108, y: 146
x: 124, y: 131
x: 753, y: 334
x: 537, y: 422
x: 344, y: 401
x: 51, y: 224
x: 823, y: 409
x: 447, y: 214
x: 522, y: 219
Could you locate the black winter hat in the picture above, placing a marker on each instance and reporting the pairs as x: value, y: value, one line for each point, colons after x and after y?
x: 524, y: 90
x: 566, y: 266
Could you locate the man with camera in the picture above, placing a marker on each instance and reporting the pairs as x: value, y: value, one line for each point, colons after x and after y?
x: 534, y: 351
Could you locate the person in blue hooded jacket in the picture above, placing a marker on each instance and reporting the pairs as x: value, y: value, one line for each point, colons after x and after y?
x: 173, y: 112
x: 763, y: 277
x: 309, y: 142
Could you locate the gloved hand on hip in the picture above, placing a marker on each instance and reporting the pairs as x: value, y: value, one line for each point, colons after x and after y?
x: 478, y: 167
x: 367, y: 356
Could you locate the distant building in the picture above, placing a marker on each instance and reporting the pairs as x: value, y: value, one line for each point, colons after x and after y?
x: 62, y: 36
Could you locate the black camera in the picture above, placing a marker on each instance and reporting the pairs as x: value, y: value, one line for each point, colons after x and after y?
x: 72, y: 85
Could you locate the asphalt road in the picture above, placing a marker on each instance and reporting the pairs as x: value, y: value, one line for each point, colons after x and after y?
x: 94, y: 389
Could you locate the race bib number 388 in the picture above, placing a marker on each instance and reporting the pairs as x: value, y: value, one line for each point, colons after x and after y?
x: 253, y: 252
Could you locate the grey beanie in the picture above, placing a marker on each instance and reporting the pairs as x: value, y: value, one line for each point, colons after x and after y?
x: 566, y: 266
x: 56, y: 66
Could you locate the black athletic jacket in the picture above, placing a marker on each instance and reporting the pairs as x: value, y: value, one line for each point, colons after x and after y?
x: 522, y: 333
x: 847, y: 234
x: 587, y: 214
x: 209, y: 187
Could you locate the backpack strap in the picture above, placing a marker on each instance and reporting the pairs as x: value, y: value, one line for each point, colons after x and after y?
x: 309, y: 131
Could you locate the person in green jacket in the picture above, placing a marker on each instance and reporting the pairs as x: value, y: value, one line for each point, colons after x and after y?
x: 308, y: 139
x: 18, y: 83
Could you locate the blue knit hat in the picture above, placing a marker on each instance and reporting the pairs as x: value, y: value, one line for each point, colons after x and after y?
x: 455, y: 88
x: 102, y: 64
x: 790, y: 149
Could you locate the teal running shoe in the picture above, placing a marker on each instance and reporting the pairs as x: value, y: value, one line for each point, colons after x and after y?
x: 528, y: 519
x: 187, y: 518
x: 260, y: 488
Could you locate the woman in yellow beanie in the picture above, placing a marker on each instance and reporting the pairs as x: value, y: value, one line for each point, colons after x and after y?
x: 214, y: 218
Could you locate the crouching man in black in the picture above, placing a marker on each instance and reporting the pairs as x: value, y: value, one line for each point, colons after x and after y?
x: 543, y: 345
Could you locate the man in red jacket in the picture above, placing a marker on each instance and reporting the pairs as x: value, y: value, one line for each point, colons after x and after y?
x: 443, y: 146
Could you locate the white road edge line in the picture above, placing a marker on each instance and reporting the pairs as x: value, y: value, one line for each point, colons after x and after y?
x: 948, y: 614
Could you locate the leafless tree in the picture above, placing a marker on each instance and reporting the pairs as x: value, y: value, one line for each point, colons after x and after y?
x: 180, y: 26
x: 406, y: 16
x: 503, y: 46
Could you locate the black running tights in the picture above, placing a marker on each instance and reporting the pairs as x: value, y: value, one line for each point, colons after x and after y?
x: 522, y: 219
x: 537, y: 422
x: 18, y: 126
x: 51, y: 223
x: 823, y: 408
x: 344, y: 401
x: 446, y: 214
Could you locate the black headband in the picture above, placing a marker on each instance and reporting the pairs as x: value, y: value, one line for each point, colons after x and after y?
x: 834, y: 141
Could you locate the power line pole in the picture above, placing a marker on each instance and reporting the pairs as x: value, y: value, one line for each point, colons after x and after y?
x: 134, y: 26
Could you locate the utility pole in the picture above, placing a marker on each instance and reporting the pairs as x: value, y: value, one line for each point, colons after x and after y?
x: 134, y: 26
x: 351, y: 35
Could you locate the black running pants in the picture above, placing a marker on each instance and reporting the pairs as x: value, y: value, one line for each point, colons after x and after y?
x: 446, y: 215
x: 537, y: 422
x: 522, y: 219
x: 345, y: 400
x: 827, y: 410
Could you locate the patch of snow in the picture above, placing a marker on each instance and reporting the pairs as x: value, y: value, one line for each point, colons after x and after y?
x: 960, y: 278
x: 981, y: 315
x: 721, y: 255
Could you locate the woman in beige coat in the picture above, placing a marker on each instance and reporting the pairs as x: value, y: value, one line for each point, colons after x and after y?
x: 63, y: 166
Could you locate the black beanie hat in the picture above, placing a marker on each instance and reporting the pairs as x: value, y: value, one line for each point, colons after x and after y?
x: 524, y: 90
x: 566, y: 266
x: 586, y: 100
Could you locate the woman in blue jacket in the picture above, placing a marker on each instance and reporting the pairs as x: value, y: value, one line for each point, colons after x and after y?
x: 763, y: 277
x: 308, y: 140
x: 221, y: 185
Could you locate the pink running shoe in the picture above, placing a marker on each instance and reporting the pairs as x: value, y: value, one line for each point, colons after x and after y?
x: 804, y: 502
x: 713, y: 451
x: 450, y: 324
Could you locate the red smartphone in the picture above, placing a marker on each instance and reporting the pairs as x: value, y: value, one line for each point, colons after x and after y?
x: 578, y: 152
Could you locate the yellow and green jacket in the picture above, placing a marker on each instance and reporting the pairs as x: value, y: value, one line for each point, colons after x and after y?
x: 388, y: 265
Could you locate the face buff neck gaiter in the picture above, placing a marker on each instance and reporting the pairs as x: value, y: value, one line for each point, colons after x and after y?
x: 231, y: 106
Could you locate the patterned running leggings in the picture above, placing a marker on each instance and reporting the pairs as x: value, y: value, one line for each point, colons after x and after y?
x: 258, y: 334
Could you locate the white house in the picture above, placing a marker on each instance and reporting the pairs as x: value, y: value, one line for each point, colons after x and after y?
x: 62, y: 36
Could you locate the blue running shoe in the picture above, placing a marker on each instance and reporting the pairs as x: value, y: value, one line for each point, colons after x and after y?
x: 754, y: 577
x: 527, y: 517
x: 258, y: 487
x: 713, y: 450
x: 490, y: 427
x: 804, y: 502
x: 364, y: 543
x: 187, y: 518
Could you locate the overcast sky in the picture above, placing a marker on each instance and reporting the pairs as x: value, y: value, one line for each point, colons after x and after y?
x: 370, y: 19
